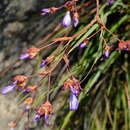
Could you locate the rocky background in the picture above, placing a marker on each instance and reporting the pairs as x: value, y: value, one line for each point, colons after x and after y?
x: 21, y: 26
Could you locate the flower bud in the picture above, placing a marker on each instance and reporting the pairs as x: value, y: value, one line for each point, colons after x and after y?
x: 82, y: 45
x: 67, y: 19
x: 46, y: 10
x: 76, y: 20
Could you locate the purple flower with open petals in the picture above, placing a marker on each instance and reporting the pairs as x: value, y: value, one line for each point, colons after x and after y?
x: 67, y: 19
x: 24, y: 56
x: 73, y: 102
x: 9, y: 88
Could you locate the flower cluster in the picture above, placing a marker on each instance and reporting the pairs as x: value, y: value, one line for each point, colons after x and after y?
x: 71, y: 10
x: 44, y: 111
x: 70, y: 5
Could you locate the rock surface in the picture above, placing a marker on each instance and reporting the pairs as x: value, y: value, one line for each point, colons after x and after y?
x: 21, y: 26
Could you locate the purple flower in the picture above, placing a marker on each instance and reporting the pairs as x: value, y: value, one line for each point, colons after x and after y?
x: 45, y: 10
x: 24, y: 56
x: 110, y: 2
x: 67, y: 19
x: 73, y: 102
x: 76, y: 21
x: 74, y: 91
x: 44, y: 62
x: 25, y: 92
x: 126, y: 49
x: 9, y: 88
x: 46, y: 117
x: 82, y: 45
x: 37, y: 117
x: 107, y: 53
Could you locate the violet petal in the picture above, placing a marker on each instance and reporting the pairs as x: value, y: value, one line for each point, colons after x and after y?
x: 126, y: 49
x: 43, y: 63
x: 8, y: 89
x: 15, y: 82
x: 37, y: 117
x: 110, y: 2
x: 24, y: 56
x: 82, y: 45
x: 67, y: 19
x: 74, y: 91
x: 73, y: 102
x: 25, y: 92
x: 76, y: 21
x: 45, y: 11
x: 46, y: 117
x: 107, y: 54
